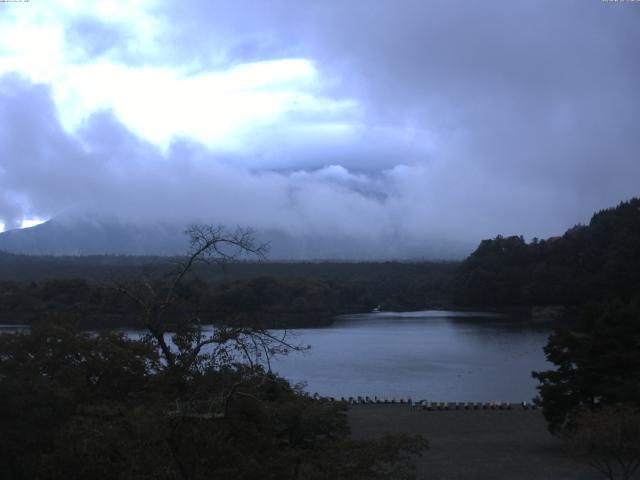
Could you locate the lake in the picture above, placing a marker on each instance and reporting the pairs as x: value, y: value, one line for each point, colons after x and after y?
x: 435, y: 355
x: 442, y: 356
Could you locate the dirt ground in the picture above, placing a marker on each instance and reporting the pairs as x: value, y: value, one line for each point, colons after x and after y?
x: 476, y: 444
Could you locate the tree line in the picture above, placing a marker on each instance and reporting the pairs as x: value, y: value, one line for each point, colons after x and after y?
x: 280, y: 299
x: 589, y: 262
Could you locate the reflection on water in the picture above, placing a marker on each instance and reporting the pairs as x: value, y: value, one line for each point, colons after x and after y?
x: 13, y: 328
x: 438, y: 355
x: 435, y: 355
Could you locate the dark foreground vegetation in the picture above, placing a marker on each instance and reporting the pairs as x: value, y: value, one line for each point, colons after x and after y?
x: 78, y: 405
x: 182, y: 405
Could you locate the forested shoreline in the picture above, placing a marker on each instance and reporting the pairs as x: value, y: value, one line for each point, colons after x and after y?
x: 588, y: 263
x: 281, y: 295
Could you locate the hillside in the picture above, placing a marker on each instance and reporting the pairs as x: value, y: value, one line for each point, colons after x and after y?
x: 589, y: 262
x: 72, y: 234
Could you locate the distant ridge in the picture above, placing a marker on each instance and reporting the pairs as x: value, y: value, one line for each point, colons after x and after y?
x: 85, y: 236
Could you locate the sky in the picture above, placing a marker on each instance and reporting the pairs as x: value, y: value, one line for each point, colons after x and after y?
x: 415, y: 119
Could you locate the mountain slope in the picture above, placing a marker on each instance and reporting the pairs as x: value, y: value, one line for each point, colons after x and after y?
x: 86, y: 237
x: 588, y: 262
x: 83, y: 236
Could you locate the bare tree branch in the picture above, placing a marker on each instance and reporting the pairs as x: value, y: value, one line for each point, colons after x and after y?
x: 209, y: 244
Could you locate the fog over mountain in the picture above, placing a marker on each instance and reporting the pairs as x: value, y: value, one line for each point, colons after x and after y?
x: 81, y: 235
x: 349, y: 129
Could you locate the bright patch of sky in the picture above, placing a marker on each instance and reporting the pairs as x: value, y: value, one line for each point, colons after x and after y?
x: 215, y: 108
x: 26, y: 223
x: 31, y: 222
x: 218, y: 107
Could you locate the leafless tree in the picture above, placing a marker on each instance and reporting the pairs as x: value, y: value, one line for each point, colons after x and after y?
x: 191, y: 347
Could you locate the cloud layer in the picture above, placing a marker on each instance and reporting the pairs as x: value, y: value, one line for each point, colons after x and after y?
x: 437, y: 120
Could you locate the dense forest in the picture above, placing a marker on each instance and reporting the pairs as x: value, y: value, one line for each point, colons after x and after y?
x: 587, y: 263
x: 269, y: 294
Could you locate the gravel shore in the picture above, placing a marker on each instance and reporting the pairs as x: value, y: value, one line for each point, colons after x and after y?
x: 476, y: 444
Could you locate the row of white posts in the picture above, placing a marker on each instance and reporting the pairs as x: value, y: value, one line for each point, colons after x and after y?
x: 431, y: 406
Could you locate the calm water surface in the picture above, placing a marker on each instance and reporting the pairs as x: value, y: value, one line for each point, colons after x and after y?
x: 437, y: 355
